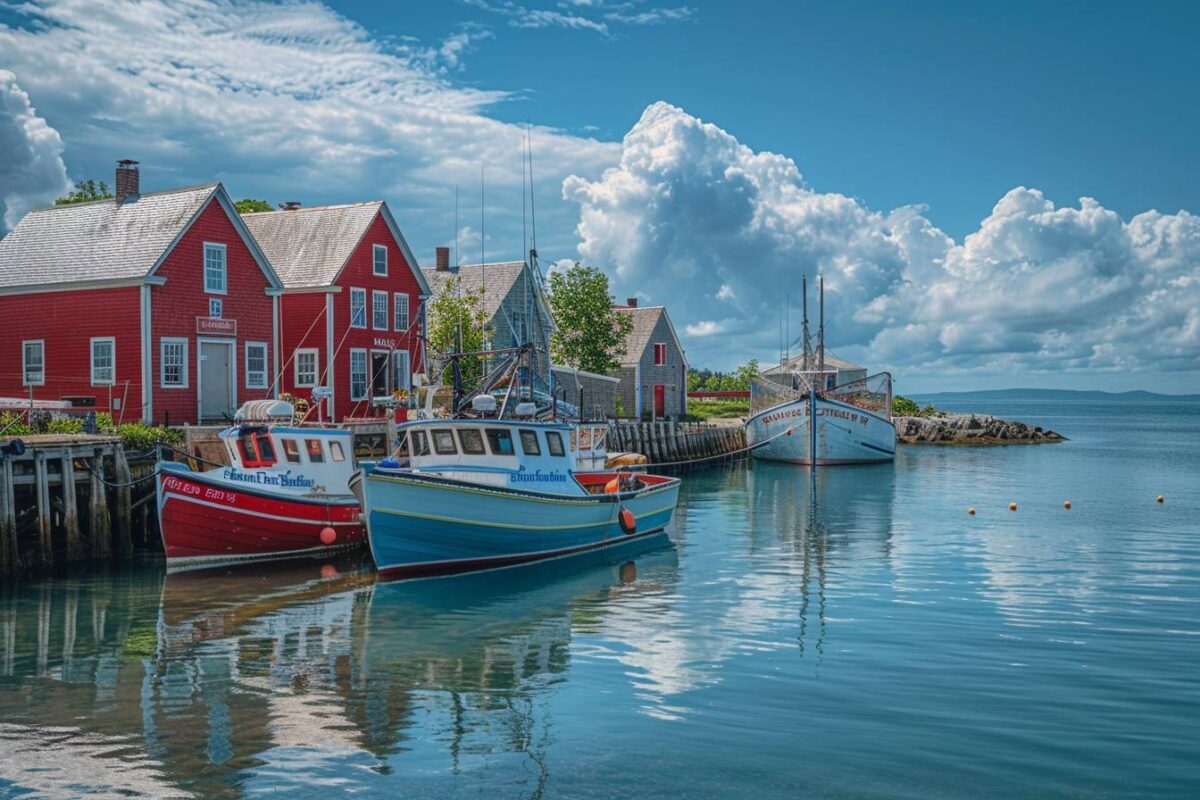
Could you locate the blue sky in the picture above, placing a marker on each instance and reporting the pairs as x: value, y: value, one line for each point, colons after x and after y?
x: 928, y: 158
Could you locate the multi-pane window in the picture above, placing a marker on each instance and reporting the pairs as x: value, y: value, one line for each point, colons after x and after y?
x: 660, y: 354
x: 214, y: 268
x: 256, y: 365
x: 215, y: 307
x: 358, y: 308
x: 172, y: 354
x: 306, y: 368
x: 104, y: 355
x: 33, y: 363
x: 358, y: 374
x: 401, y: 370
x: 380, y: 262
x: 379, y: 311
x: 401, y: 313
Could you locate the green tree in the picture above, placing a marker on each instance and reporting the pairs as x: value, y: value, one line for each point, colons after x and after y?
x: 746, y: 373
x: 85, y: 192
x: 591, y: 334
x: 249, y: 205
x: 456, y: 319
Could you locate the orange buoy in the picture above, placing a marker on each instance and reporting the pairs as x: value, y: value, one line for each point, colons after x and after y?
x: 1067, y: 505
x: 613, y: 486
x: 971, y: 511
x: 1012, y: 506
x: 328, y: 535
x: 1159, y: 499
x: 627, y: 521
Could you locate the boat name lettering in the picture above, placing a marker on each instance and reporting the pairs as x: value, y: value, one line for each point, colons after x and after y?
x: 285, y: 479
x: 850, y: 416
x: 523, y: 475
x: 185, y: 487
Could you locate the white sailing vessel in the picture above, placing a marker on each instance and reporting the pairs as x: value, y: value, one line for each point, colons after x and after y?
x: 810, y: 411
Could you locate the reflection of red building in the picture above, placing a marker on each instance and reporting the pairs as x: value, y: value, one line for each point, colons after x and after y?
x: 352, y: 296
x: 156, y: 306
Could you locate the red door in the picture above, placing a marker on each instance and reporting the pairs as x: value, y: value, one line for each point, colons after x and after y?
x: 660, y: 400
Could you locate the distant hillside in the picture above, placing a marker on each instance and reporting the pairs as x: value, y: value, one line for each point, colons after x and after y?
x: 1053, y: 394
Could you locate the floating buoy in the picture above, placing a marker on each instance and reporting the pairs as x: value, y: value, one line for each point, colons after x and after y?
x: 613, y: 486
x: 328, y: 535
x: 789, y: 432
x: 1067, y: 505
x: 627, y: 521
x: 1159, y: 499
x: 971, y: 511
x: 1012, y: 506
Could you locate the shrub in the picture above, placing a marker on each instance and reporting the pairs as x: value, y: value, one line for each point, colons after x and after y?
x: 904, y: 407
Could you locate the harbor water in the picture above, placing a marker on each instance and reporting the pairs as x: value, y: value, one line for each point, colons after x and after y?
x: 856, y: 636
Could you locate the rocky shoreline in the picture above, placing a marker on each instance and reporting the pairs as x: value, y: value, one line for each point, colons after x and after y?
x: 970, y: 429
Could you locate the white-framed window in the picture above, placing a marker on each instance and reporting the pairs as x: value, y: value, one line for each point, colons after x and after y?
x: 379, y: 262
x: 104, y: 361
x: 358, y: 307
x: 216, y: 306
x: 256, y: 365
x: 306, y: 368
x: 33, y: 362
x: 660, y: 354
x: 401, y: 301
x: 215, y: 276
x: 379, y: 310
x: 173, y: 363
x: 401, y: 370
x: 358, y: 374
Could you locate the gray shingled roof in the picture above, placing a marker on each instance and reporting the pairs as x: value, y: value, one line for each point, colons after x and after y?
x: 309, y: 246
x: 98, y: 241
x: 644, y: 321
x: 796, y: 362
x: 496, y: 281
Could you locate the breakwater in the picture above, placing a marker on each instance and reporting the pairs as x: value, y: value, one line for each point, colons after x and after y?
x: 970, y: 429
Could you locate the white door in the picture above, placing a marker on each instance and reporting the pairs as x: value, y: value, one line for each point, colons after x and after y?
x: 216, y: 380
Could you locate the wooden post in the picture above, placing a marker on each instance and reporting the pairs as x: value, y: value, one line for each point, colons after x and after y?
x: 41, y: 491
x: 8, y: 519
x: 122, y: 535
x: 101, y: 529
x: 71, y: 507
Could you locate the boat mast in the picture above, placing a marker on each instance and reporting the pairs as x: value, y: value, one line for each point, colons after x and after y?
x: 821, y: 330
x: 805, y: 334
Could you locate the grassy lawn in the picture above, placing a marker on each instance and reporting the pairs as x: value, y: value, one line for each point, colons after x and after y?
x: 718, y: 408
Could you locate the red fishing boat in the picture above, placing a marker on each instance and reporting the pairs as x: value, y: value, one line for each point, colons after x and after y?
x: 285, y: 493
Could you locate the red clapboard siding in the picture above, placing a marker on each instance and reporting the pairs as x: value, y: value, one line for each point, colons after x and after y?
x: 302, y: 324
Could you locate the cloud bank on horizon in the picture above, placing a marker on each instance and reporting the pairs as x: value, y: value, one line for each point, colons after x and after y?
x: 692, y: 217
x: 280, y: 97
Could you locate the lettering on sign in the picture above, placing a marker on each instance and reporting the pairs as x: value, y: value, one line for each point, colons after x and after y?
x: 822, y: 411
x: 218, y: 326
x: 523, y: 475
x: 390, y: 344
x: 285, y: 479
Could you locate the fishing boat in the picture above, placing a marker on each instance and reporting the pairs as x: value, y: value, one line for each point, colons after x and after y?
x: 471, y: 494
x: 811, y: 411
x: 285, y: 493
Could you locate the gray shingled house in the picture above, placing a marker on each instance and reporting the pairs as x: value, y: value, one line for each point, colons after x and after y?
x: 653, y: 371
x: 513, y: 300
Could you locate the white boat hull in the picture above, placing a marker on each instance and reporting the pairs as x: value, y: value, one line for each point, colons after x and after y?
x: 846, y: 434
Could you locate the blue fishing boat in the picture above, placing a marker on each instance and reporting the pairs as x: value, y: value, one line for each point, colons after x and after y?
x: 472, y: 494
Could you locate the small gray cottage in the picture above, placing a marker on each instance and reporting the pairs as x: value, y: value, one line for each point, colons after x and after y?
x: 653, y: 371
x: 595, y: 395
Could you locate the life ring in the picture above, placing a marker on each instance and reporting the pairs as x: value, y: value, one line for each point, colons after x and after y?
x: 627, y: 521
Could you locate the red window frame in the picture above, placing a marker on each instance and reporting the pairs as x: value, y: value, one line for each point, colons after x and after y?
x: 259, y: 453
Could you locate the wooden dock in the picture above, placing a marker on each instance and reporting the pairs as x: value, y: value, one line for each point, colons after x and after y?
x: 678, y: 445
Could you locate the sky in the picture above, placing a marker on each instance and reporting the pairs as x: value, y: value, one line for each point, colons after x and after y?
x: 996, y: 194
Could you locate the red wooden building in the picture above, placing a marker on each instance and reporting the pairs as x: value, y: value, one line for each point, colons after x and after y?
x: 159, y: 306
x: 352, y: 300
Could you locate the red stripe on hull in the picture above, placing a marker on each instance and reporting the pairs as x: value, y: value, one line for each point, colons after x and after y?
x: 203, y: 522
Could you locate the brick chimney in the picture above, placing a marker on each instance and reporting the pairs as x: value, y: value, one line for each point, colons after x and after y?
x: 128, y: 183
x: 631, y: 302
x: 291, y: 205
x: 443, y: 259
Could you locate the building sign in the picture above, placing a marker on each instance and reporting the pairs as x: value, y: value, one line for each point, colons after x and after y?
x: 390, y: 344
x: 216, y: 326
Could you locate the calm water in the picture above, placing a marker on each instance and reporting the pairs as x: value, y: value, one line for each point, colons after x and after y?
x: 865, y: 638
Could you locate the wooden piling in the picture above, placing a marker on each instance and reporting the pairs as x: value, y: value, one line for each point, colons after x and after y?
x: 75, y: 550
x: 41, y: 491
x: 101, y: 527
x: 8, y: 518
x: 122, y: 536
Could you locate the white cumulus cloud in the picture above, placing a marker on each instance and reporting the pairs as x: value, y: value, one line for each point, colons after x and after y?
x: 31, y: 166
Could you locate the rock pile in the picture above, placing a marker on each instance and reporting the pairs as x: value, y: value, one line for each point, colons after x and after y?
x: 969, y: 429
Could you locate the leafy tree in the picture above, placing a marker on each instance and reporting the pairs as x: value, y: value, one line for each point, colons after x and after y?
x: 249, y: 205
x: 746, y: 373
x: 591, y: 334
x: 456, y: 319
x: 85, y: 192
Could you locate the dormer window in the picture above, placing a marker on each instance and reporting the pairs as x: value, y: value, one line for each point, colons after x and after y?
x: 380, y: 262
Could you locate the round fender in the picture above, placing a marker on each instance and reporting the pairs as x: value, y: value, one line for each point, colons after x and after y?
x: 328, y: 535
x: 613, y: 486
x: 627, y: 520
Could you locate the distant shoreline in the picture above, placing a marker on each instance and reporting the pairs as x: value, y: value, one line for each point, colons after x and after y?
x: 1053, y: 394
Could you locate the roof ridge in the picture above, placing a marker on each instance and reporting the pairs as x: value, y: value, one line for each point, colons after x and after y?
x: 335, y: 207
x: 98, y: 201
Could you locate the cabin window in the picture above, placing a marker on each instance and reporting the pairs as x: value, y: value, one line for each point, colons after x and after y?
x: 246, y: 451
x: 554, y: 443
x: 173, y: 356
x: 256, y: 365
x: 266, y: 450
x: 379, y: 265
x: 358, y: 374
x: 529, y: 443
x: 336, y: 452
x: 379, y: 311
x: 291, y: 451
x: 306, y: 368
x: 104, y: 354
x: 472, y: 441
x: 660, y: 354
x: 256, y: 450
x: 315, y: 454
x: 214, y: 268
x: 500, y: 442
x: 443, y: 442
x: 420, y: 445
x: 401, y: 301
x: 358, y: 307
x: 33, y: 363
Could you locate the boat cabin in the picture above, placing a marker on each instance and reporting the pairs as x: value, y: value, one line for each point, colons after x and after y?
x: 265, y: 449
